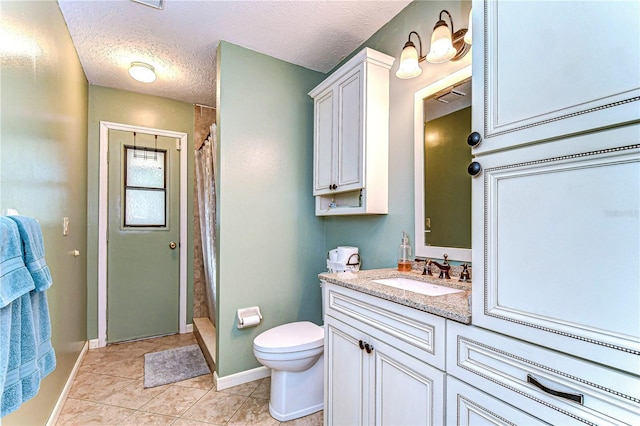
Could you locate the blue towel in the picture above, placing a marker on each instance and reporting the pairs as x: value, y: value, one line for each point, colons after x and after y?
x: 26, y: 353
x: 45, y: 354
x: 15, y: 279
x: 33, y: 251
x: 22, y: 378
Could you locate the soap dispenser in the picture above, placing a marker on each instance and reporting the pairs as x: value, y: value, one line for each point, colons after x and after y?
x: 404, y: 254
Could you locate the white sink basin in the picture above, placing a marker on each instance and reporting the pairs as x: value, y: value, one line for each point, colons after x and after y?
x: 417, y: 286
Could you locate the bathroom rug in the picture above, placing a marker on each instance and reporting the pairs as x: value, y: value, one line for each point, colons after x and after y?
x: 174, y: 365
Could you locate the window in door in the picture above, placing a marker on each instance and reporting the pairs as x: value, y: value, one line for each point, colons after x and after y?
x: 145, y: 187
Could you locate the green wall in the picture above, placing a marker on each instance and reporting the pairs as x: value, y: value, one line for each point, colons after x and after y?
x: 270, y: 243
x: 125, y: 107
x: 43, y: 171
x: 378, y: 237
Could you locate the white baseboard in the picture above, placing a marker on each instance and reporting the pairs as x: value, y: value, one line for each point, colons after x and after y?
x: 241, y: 377
x: 57, y: 409
x: 189, y: 328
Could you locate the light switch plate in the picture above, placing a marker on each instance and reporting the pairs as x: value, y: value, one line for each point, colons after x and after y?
x: 65, y: 226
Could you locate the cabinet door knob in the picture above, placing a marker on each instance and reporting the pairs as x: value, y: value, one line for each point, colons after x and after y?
x: 474, y: 139
x: 361, y: 345
x: 368, y: 348
x: 333, y: 186
x: 474, y: 168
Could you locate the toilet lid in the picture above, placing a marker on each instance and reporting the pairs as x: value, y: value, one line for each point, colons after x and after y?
x: 292, y: 337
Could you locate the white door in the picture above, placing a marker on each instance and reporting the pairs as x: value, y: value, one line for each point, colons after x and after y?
x: 349, y: 167
x: 348, y: 388
x: 408, y: 391
x: 553, y: 69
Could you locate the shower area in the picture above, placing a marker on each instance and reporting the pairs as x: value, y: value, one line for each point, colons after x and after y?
x: 204, y: 265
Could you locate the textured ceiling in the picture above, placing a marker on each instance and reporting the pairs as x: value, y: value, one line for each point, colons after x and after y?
x: 180, y: 40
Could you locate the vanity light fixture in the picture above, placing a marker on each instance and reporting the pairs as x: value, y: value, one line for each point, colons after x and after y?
x: 142, y: 72
x: 410, y: 59
x: 446, y: 45
x: 467, y: 36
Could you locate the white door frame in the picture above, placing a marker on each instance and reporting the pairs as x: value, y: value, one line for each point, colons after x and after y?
x: 103, y: 174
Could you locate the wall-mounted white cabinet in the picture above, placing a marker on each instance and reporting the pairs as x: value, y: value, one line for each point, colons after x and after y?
x: 351, y: 137
x: 383, y: 362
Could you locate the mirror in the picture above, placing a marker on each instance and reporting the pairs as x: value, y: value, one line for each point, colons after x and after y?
x: 442, y: 185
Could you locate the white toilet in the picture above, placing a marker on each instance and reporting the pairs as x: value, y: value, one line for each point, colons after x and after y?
x: 294, y: 352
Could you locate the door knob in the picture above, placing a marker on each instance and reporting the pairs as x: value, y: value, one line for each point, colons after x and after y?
x: 172, y: 245
x: 474, y: 168
x: 474, y: 139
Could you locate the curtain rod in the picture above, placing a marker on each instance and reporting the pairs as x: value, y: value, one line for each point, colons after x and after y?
x: 205, y: 106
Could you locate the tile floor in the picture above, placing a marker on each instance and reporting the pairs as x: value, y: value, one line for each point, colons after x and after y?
x: 109, y: 390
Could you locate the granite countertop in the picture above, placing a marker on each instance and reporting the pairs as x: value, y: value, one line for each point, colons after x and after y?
x: 453, y: 306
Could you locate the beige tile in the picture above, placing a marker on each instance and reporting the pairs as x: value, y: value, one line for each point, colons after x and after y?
x: 96, y: 387
x: 201, y: 382
x: 77, y: 412
x: 215, y: 407
x: 174, y: 401
x: 134, y: 395
x: 263, y: 391
x: 244, y: 389
x: 130, y: 368
x: 315, y: 419
x: 254, y: 411
x: 187, y: 422
x: 142, y: 418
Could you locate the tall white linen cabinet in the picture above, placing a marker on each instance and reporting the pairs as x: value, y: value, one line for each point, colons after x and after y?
x: 556, y: 222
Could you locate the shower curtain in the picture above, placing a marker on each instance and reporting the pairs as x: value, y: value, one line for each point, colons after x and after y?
x: 205, y: 159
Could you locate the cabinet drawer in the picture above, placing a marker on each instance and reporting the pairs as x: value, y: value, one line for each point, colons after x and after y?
x: 405, y: 328
x: 468, y: 406
x: 508, y: 369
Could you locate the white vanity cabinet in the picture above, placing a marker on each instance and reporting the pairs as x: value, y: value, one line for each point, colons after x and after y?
x: 384, y: 362
x: 556, y: 222
x: 468, y: 406
x: 533, y: 381
x: 351, y: 137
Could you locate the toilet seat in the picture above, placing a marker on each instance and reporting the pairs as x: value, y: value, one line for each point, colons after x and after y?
x: 292, y: 337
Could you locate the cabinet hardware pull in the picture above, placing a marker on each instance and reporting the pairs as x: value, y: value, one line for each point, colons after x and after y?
x: 333, y: 186
x: 368, y: 348
x: 577, y: 397
x: 474, y: 139
x: 361, y: 345
x: 474, y: 168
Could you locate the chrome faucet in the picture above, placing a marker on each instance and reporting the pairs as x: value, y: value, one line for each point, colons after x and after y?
x: 444, y: 267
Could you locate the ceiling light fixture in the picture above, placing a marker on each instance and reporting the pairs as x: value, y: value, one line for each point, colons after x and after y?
x: 446, y: 45
x: 142, y: 72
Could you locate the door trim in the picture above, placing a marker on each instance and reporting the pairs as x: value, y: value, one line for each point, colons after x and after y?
x: 103, y: 174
